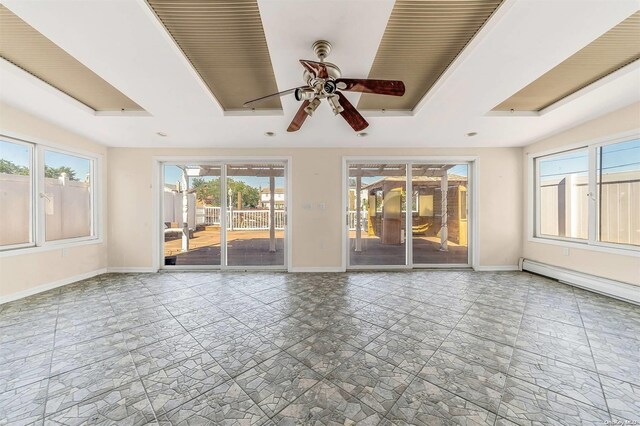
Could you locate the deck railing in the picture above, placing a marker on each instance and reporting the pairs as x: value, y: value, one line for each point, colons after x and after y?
x: 363, y: 220
x: 242, y: 219
x: 257, y: 219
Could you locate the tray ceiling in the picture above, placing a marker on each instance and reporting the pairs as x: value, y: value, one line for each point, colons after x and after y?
x: 421, y: 39
x: 126, y: 44
x: 26, y: 48
x: 615, y: 49
x: 225, y: 43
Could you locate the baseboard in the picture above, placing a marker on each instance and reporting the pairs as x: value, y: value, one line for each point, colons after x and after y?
x: 51, y: 285
x: 130, y: 269
x: 316, y: 269
x: 495, y: 268
x: 612, y: 288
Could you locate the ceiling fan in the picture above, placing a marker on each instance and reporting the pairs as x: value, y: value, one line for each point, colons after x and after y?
x: 323, y: 81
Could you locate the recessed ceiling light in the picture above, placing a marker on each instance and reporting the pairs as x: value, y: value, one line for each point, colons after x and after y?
x: 269, y: 134
x: 163, y: 134
x: 472, y: 134
x: 362, y: 134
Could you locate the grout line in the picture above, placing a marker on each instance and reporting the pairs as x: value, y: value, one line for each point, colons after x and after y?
x: 46, y: 399
x: 144, y: 388
x: 593, y: 359
x: 504, y: 387
x: 135, y: 367
x: 386, y: 416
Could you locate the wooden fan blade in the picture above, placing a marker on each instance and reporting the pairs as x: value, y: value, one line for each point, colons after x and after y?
x: 286, y: 92
x: 380, y: 87
x: 351, y: 114
x: 318, y: 69
x: 298, y: 119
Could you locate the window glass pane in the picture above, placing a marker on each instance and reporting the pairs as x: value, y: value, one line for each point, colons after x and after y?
x: 562, y: 193
x: 377, y: 214
x: 618, y: 192
x: 67, y: 196
x: 15, y: 193
x: 192, y: 214
x: 256, y: 214
x: 439, y: 226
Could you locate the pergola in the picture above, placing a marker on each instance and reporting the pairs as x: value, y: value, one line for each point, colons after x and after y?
x: 358, y: 171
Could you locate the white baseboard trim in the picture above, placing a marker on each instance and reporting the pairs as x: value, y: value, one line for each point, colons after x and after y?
x: 612, y: 288
x: 494, y: 268
x: 130, y: 269
x: 51, y: 285
x: 316, y: 269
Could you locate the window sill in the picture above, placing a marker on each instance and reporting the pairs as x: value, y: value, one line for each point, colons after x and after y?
x: 632, y: 252
x: 54, y: 245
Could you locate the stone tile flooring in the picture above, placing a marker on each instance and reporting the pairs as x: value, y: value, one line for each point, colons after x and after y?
x: 420, y: 348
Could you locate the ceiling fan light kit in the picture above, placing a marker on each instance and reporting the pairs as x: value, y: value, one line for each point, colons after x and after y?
x: 324, y: 81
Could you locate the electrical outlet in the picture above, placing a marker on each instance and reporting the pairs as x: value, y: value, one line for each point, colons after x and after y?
x: 64, y: 252
x: 565, y: 251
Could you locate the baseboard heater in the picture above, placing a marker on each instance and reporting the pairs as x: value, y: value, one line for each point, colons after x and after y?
x: 612, y: 288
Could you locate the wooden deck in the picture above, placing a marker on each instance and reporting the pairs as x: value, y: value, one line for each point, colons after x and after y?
x: 245, y: 248
x: 426, y: 250
x: 251, y: 248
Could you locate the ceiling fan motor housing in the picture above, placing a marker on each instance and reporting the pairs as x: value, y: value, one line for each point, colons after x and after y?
x: 332, y: 70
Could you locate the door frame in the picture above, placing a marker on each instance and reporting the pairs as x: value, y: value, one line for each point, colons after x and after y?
x: 472, y: 216
x: 158, y: 210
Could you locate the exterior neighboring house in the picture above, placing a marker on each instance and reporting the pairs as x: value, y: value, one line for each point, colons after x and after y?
x: 265, y: 198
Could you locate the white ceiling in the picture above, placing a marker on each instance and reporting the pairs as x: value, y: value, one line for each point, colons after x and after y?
x: 122, y: 41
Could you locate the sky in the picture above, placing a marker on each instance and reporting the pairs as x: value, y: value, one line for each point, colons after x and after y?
x: 615, y: 158
x: 19, y: 155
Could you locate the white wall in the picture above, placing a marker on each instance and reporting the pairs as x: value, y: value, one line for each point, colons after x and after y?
x: 619, y: 267
x: 316, y: 178
x: 23, y: 273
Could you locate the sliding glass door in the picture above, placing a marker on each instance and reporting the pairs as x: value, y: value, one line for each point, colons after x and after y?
x: 256, y: 214
x: 439, y: 216
x: 191, y: 196
x: 383, y: 197
x: 376, y: 216
x: 223, y: 214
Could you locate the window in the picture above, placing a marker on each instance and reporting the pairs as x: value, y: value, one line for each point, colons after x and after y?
x: 67, y: 196
x: 16, y: 194
x: 590, y: 195
x: 618, y: 192
x: 562, y: 194
x: 49, y: 203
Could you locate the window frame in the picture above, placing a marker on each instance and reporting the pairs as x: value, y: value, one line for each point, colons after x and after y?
x: 32, y: 191
x: 38, y: 241
x: 537, y: 190
x: 592, y: 242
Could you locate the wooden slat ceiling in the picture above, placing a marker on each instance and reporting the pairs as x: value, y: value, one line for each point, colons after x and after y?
x: 225, y: 42
x: 615, y: 49
x: 26, y: 48
x: 421, y: 40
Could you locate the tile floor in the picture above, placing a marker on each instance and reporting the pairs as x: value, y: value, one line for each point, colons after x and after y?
x: 420, y: 348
